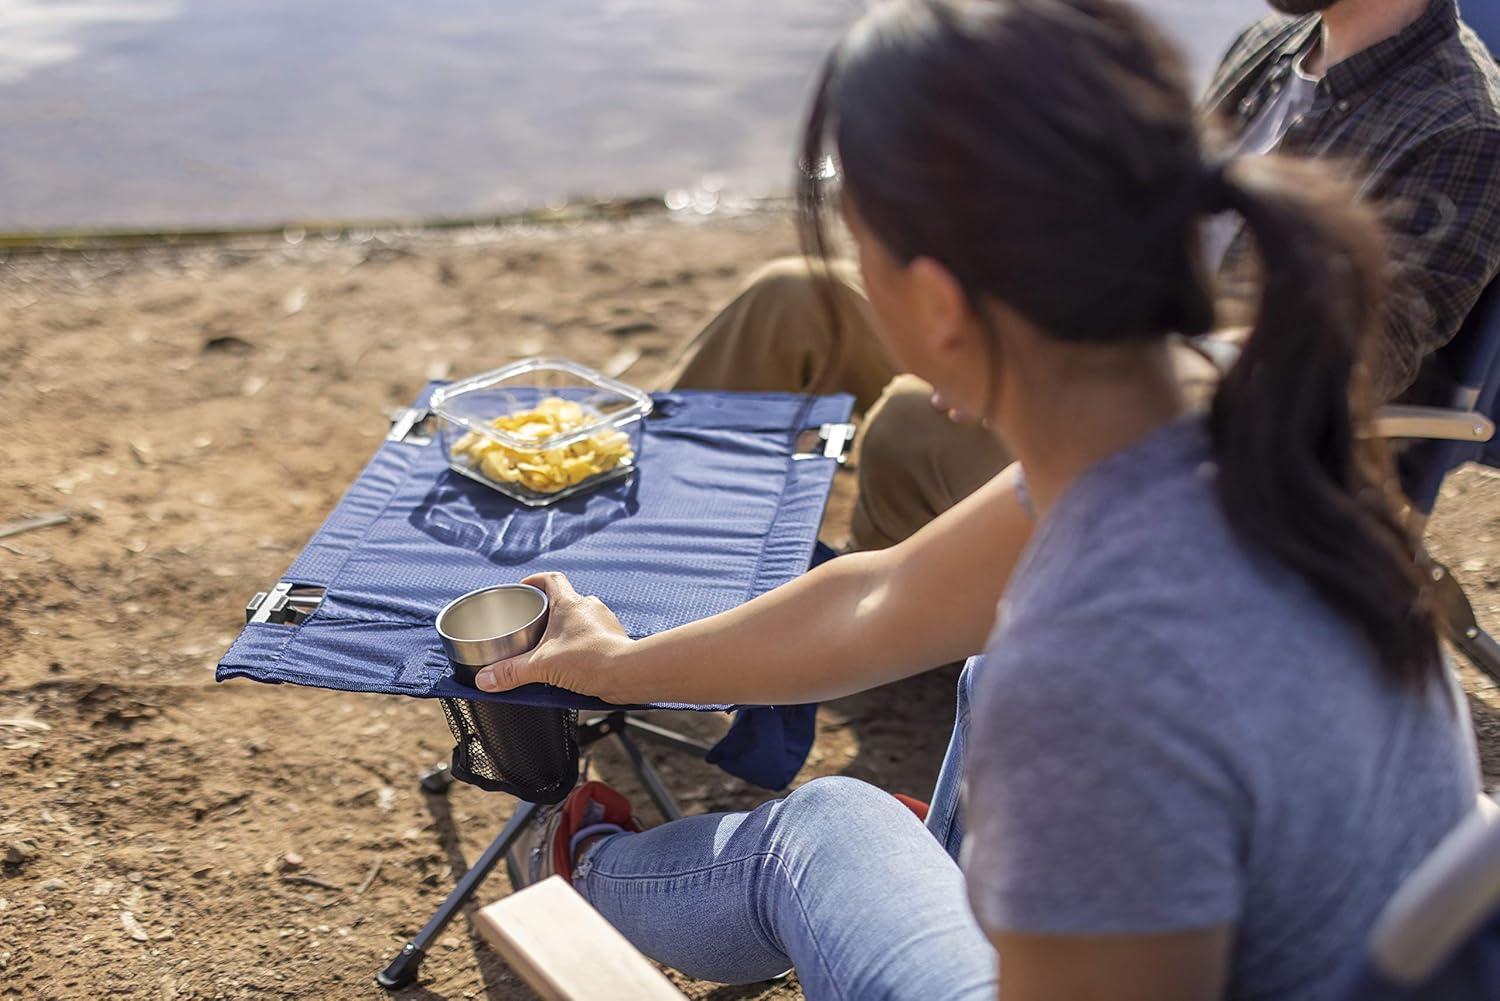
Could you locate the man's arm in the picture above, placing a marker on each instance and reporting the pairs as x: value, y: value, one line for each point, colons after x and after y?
x: 1442, y: 206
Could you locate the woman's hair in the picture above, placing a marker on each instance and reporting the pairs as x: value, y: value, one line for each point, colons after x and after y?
x: 1048, y: 154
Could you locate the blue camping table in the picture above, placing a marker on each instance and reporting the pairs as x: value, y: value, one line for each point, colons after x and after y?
x: 724, y: 505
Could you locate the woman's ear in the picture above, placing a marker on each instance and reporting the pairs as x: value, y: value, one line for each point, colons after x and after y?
x: 941, y: 309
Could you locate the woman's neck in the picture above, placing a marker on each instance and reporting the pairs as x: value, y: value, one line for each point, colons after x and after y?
x: 1062, y: 426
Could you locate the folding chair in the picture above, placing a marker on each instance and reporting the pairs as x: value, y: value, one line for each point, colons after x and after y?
x: 1438, y: 938
x: 1443, y: 438
x: 1484, y: 17
x: 1463, y: 431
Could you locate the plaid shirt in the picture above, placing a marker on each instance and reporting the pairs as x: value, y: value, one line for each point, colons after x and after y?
x: 1416, y: 119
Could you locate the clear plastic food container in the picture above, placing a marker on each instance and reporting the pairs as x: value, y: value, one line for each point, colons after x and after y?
x: 542, y: 429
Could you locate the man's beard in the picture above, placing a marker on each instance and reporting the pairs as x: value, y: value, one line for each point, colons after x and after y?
x: 1300, y: 7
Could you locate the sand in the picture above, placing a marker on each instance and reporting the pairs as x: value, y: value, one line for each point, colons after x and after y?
x: 195, y: 412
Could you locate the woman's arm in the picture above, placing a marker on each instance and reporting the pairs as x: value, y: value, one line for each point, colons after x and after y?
x: 851, y: 624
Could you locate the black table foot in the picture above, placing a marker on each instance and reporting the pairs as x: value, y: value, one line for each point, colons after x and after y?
x: 403, y: 969
x: 437, y: 780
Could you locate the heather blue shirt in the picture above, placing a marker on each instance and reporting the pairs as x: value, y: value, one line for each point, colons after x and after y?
x: 1169, y: 733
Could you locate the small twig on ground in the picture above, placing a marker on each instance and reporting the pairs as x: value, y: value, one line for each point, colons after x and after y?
x: 26, y: 724
x: 370, y: 877
x: 311, y: 881
x: 31, y: 524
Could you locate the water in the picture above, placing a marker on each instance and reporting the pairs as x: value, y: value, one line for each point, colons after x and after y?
x: 144, y: 113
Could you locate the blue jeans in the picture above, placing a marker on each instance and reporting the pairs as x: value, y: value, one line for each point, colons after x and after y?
x: 838, y: 880
x: 945, y: 811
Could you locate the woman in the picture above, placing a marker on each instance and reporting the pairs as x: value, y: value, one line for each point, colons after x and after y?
x: 1212, y: 729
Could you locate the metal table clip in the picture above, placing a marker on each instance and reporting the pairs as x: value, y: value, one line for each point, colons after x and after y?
x: 285, y: 604
x: 834, y: 441
x: 407, y: 426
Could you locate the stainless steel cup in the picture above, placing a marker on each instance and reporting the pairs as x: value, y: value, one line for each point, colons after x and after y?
x: 490, y: 624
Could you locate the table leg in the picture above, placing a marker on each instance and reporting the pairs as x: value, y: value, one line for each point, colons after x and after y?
x: 651, y: 779
x: 666, y: 738
x: 402, y: 970
x: 437, y: 780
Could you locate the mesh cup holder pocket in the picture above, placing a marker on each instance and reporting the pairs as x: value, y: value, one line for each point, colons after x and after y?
x: 530, y: 753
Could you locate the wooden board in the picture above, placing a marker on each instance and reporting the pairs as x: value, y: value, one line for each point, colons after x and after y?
x: 566, y: 951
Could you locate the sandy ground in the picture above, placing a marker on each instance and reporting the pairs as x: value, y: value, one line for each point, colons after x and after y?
x: 195, y: 413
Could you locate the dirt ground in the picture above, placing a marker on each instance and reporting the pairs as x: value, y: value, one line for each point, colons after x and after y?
x: 195, y: 412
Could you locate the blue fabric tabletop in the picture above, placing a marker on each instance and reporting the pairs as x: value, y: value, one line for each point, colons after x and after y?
x: 717, y: 512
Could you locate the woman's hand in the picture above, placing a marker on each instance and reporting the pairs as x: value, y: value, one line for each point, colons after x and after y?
x: 582, y: 637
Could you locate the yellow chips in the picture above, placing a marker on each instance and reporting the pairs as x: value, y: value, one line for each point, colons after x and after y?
x: 549, y: 470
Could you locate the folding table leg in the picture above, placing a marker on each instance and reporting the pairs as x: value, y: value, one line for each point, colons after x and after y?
x: 651, y: 779
x: 666, y: 738
x: 437, y: 780
x: 403, y: 969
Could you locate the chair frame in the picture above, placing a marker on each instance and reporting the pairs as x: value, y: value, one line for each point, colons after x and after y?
x: 1445, y: 438
x: 1454, y: 890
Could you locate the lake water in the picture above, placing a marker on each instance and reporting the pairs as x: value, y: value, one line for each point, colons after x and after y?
x: 143, y: 113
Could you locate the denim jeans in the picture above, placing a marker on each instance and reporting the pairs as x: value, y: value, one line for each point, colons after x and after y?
x: 838, y: 880
x: 945, y: 810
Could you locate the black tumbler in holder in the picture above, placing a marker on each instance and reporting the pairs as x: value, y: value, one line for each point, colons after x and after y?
x: 528, y: 752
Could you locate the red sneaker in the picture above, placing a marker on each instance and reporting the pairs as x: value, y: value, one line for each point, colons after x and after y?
x: 545, y: 847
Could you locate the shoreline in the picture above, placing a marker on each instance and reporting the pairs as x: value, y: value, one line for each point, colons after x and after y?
x: 293, y: 232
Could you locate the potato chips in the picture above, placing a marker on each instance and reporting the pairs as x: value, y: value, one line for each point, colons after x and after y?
x: 544, y: 471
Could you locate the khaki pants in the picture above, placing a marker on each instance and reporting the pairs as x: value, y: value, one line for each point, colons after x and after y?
x: 778, y: 335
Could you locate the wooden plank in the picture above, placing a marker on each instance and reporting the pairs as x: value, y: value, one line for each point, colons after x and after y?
x: 566, y: 951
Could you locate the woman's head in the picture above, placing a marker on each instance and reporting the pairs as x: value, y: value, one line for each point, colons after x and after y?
x: 1000, y: 161
x: 1025, y: 177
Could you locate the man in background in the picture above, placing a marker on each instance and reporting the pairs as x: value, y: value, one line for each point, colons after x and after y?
x: 1398, y: 94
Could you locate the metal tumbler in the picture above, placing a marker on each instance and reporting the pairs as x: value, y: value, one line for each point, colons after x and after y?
x: 524, y: 750
x: 490, y: 624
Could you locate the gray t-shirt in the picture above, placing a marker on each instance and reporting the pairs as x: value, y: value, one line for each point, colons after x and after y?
x: 1288, y: 102
x: 1169, y: 732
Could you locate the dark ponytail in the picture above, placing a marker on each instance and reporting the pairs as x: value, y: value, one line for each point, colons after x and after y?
x: 1048, y: 154
x: 1296, y: 477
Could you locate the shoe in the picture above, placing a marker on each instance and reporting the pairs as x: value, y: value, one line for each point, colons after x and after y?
x: 545, y: 848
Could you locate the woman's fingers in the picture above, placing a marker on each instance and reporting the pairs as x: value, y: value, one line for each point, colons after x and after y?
x: 504, y: 675
x: 521, y: 669
x: 581, y: 634
x: 555, y: 586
